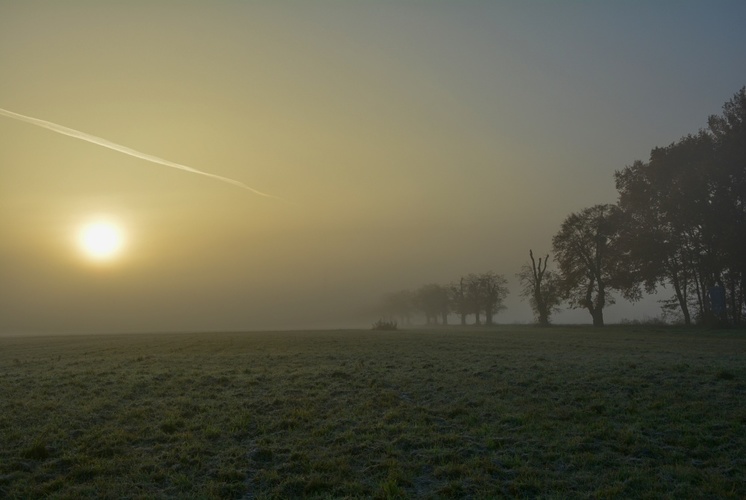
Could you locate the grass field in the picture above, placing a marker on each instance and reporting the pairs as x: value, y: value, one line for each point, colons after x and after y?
x: 511, y: 411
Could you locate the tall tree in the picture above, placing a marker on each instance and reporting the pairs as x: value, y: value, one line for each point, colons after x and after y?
x: 540, y: 287
x: 686, y: 208
x: 590, y: 261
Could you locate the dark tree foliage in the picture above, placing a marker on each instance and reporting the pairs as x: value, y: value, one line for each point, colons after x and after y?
x: 541, y: 287
x: 591, y: 262
x: 666, y: 211
x: 728, y: 133
x: 686, y: 216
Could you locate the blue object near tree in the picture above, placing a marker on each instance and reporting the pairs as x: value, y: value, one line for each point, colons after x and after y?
x: 717, y: 300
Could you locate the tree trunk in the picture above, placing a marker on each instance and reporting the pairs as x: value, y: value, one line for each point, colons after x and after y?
x: 742, y: 290
x: 463, y: 319
x: 682, y: 302
x: 598, y: 316
x: 596, y: 307
x: 543, y: 317
x: 734, y: 302
x: 541, y: 309
x: 700, y: 296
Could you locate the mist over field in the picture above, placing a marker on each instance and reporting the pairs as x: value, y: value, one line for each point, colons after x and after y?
x: 410, y: 143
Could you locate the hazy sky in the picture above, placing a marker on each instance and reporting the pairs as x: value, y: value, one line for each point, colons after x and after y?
x: 414, y: 141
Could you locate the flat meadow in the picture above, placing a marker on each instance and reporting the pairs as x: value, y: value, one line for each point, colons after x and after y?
x: 509, y: 411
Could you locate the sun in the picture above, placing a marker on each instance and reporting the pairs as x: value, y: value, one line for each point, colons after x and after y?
x: 101, y: 241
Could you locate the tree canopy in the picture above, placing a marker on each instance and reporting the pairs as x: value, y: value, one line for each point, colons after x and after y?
x: 686, y: 217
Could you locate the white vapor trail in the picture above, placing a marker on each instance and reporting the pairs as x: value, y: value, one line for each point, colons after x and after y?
x: 123, y: 149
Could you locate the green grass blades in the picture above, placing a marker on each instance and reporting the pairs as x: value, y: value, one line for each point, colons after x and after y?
x: 564, y: 412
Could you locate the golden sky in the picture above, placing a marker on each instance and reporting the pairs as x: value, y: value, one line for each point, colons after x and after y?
x: 414, y: 142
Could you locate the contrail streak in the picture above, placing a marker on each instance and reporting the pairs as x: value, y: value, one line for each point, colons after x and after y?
x: 128, y: 151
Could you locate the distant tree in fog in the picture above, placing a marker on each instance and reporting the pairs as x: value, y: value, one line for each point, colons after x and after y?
x: 494, y: 289
x: 434, y: 300
x: 460, y: 299
x: 474, y: 297
x: 475, y: 294
x: 400, y: 305
x: 541, y: 287
x: 484, y: 293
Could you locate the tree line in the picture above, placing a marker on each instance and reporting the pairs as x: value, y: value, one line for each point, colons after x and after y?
x: 479, y: 295
x: 679, y: 224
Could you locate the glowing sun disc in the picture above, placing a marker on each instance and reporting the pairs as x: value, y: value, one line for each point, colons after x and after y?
x: 101, y: 240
